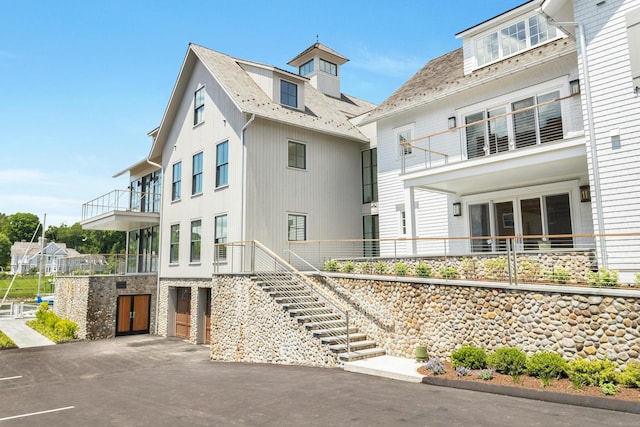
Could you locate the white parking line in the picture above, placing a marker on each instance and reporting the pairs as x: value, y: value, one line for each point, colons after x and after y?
x: 37, y: 413
x: 10, y: 378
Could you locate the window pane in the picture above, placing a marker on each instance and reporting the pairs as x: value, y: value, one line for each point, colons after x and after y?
x: 498, y: 135
x: 487, y: 49
x: 505, y: 225
x: 221, y: 236
x: 558, y: 213
x: 196, y: 184
x: 524, y: 123
x: 480, y: 227
x: 531, y: 215
x: 222, y: 164
x: 196, y: 228
x: 288, y: 94
x: 540, y: 31
x: 175, y: 240
x: 405, y: 137
x: 550, y: 118
x: 297, y: 155
x: 306, y: 68
x: 176, y: 181
x: 297, y: 227
x: 198, y: 106
x: 475, y: 136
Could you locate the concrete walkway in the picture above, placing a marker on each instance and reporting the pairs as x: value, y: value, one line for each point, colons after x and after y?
x: 396, y: 368
x: 22, y: 335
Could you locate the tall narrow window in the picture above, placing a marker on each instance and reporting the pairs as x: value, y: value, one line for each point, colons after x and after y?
x: 498, y: 134
x: 288, y: 93
x: 198, y: 106
x: 297, y: 227
x: 371, y: 234
x: 174, y: 244
x: 403, y: 222
x: 549, y: 118
x: 475, y: 135
x: 524, y: 122
x: 222, y: 164
x: 196, y: 240
x: 221, y: 236
x: 297, y: 155
x: 404, y: 139
x: 480, y: 227
x: 196, y: 179
x: 176, y: 181
x: 369, y: 176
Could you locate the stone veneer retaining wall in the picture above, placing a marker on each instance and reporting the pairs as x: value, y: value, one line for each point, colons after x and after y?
x: 247, y: 325
x: 401, y: 314
x: 91, y: 301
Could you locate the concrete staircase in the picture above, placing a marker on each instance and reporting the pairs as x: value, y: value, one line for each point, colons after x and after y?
x: 320, y: 318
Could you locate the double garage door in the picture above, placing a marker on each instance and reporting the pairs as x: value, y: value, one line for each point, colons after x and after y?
x: 133, y: 314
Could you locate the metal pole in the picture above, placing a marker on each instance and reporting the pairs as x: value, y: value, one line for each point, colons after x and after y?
x: 508, y: 243
x: 41, y: 272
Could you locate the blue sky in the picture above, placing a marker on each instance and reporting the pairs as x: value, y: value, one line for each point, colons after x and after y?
x: 83, y: 82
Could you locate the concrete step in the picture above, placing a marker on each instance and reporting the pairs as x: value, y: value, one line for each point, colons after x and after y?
x: 326, y: 324
x: 331, y: 331
x: 277, y: 286
x: 310, y: 311
x: 296, y: 300
x: 284, y: 293
x: 333, y: 339
x: 318, y: 318
x: 354, y: 346
x: 361, y: 354
x: 300, y: 305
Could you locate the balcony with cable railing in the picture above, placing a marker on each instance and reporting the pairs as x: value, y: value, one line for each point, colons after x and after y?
x: 532, y: 136
x: 122, y: 210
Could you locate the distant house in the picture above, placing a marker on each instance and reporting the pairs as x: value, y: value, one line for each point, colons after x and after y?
x: 57, y: 259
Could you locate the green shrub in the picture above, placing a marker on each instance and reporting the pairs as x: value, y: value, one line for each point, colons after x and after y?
x: 380, y: 267
x: 630, y: 377
x: 331, y: 265
x: 546, y: 365
x: 6, y: 342
x: 583, y: 372
x: 365, y: 267
x: 470, y: 357
x: 52, y: 326
x: 559, y: 275
x: 496, y: 268
x: 423, y: 269
x: 348, y: 267
x: 508, y: 361
x: 400, y: 268
x: 603, y: 278
x: 609, y: 389
x: 448, y: 273
x: 529, y: 269
x: 66, y: 328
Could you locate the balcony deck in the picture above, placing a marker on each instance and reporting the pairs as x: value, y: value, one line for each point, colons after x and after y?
x: 121, y: 210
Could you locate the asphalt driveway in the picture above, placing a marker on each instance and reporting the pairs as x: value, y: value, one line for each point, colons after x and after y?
x: 145, y: 380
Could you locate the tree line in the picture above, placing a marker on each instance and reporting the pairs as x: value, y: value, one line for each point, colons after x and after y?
x: 21, y: 226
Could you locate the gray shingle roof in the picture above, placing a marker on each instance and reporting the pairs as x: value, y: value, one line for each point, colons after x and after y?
x: 322, y: 113
x: 444, y: 75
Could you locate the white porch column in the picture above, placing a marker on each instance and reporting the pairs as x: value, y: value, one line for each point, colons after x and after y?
x: 410, y: 218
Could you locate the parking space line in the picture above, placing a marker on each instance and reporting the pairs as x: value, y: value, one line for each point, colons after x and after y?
x: 11, y: 378
x: 36, y: 413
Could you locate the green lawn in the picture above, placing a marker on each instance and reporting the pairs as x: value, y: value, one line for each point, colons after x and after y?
x: 24, y: 287
x: 5, y: 341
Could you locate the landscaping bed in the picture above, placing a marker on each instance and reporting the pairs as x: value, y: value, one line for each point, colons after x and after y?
x: 526, y: 382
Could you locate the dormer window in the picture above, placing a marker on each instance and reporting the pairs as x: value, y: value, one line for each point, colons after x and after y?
x: 306, y: 68
x: 513, y: 38
x: 288, y: 93
x: 328, y: 67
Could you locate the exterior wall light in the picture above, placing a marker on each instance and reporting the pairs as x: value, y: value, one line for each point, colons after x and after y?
x: 457, y: 209
x: 585, y: 193
x: 452, y: 122
x: 574, y: 87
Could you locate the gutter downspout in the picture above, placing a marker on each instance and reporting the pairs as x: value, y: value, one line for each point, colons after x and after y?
x: 244, y: 178
x: 592, y: 132
x: 159, y: 246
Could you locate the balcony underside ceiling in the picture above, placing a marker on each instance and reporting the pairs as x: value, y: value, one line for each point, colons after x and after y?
x: 121, y: 221
x: 515, y: 169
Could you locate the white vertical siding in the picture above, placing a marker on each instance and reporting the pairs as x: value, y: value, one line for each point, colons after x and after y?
x: 616, y: 110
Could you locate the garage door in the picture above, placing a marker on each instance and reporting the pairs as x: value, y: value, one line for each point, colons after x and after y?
x: 183, y: 312
x: 133, y: 314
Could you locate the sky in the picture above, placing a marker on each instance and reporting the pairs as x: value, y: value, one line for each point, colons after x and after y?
x: 83, y: 82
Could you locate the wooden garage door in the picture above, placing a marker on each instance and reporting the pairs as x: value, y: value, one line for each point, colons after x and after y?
x: 133, y: 314
x: 183, y: 312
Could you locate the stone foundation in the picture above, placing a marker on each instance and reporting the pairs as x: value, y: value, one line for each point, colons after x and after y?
x: 399, y: 315
x: 91, y: 301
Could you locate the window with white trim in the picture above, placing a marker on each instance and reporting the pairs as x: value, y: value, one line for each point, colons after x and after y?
x: 403, y: 138
x: 220, y: 236
x: 176, y: 181
x: 196, y: 240
x: 288, y: 93
x: 297, y: 227
x: 297, y: 155
x: 328, y: 67
x: 222, y: 164
x: 534, y: 121
x: 306, y: 68
x: 198, y: 106
x: 174, y: 244
x: 513, y: 38
x: 196, y: 178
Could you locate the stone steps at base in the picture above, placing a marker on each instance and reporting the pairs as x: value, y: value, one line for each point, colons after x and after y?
x: 361, y: 354
x: 335, y: 331
x: 327, y: 324
x: 332, y: 339
x: 353, y: 345
x: 315, y: 318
